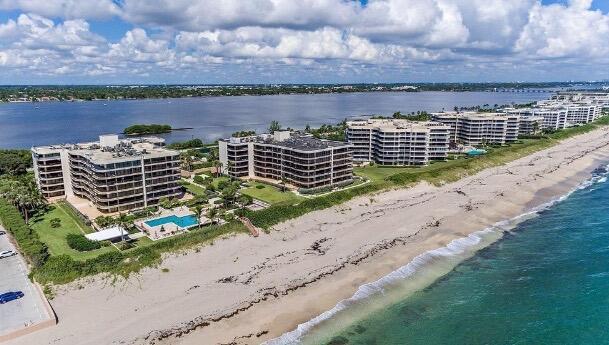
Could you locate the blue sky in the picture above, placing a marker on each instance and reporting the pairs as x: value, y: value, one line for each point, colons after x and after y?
x: 259, y: 41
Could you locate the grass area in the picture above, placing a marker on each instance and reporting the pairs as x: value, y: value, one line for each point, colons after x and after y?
x: 192, y: 188
x: 65, y: 208
x: 55, y: 238
x: 216, y: 180
x: 271, y: 194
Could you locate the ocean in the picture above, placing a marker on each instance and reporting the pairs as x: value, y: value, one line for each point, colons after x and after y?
x: 541, y: 278
x: 30, y: 124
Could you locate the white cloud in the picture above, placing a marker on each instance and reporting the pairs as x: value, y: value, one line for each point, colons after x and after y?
x: 330, y: 36
x: 565, y: 31
x: 69, y: 9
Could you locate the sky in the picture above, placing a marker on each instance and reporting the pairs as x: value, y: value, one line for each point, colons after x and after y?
x: 304, y: 41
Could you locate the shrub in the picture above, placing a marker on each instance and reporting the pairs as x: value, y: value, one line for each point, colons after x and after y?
x: 55, y: 222
x: 259, y: 186
x: 198, y: 179
x: 30, y: 245
x: 81, y: 243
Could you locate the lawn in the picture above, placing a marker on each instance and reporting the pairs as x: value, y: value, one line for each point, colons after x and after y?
x: 271, y: 194
x: 192, y: 188
x: 55, y: 238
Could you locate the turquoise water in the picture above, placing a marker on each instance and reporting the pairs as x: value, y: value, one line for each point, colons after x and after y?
x: 546, y: 281
x: 477, y: 152
x: 183, y: 222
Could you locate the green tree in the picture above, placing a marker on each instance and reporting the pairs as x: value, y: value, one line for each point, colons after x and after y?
x: 274, y: 126
x: 198, y: 211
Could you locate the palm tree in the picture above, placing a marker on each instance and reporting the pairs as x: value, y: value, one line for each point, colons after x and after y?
x: 122, y: 223
x: 186, y: 159
x: 212, y: 213
x: 198, y: 211
x: 284, y: 181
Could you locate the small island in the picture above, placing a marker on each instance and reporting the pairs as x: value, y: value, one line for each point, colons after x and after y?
x: 142, y: 129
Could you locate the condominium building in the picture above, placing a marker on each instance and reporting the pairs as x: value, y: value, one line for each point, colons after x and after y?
x: 114, y: 175
x: 578, y: 113
x: 551, y: 118
x: 529, y: 125
x: 300, y: 160
x: 598, y: 98
x: 397, y: 141
x: 470, y: 128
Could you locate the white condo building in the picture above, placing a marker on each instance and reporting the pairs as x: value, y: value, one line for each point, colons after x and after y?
x: 548, y: 118
x: 114, y: 175
x: 472, y: 128
x: 397, y: 141
x: 300, y: 160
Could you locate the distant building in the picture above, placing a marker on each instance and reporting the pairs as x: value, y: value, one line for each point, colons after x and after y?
x: 115, y: 175
x: 578, y: 113
x: 551, y: 118
x: 300, y: 160
x: 397, y: 141
x: 472, y: 128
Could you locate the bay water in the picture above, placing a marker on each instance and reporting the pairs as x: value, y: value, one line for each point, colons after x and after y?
x: 23, y: 125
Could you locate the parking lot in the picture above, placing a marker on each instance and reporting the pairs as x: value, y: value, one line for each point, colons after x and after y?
x: 30, y: 309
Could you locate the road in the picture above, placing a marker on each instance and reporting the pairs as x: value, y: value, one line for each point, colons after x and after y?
x: 23, y: 312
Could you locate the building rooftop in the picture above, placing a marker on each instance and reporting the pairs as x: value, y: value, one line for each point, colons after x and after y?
x: 394, y: 124
x: 471, y: 115
x: 110, y: 149
x: 293, y: 140
x: 303, y: 142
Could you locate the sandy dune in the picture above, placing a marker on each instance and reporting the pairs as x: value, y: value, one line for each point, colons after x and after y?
x: 248, y: 290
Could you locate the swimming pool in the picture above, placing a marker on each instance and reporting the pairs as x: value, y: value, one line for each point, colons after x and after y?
x: 183, y: 222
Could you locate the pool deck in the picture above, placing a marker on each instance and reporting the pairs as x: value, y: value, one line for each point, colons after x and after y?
x: 170, y: 229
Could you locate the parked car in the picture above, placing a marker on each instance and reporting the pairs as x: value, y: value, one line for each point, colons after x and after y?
x: 6, y: 254
x: 2, y: 232
x: 10, y: 296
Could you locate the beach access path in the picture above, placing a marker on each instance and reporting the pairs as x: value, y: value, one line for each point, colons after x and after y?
x: 246, y: 290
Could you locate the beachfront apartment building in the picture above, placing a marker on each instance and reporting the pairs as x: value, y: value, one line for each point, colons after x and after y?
x: 551, y: 118
x: 114, y: 175
x: 397, y: 141
x: 578, y: 113
x: 295, y: 158
x: 596, y: 97
x: 471, y: 128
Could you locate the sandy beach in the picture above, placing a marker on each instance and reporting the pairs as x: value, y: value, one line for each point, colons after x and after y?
x: 245, y: 290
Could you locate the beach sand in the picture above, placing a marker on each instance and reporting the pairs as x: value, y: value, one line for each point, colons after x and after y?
x: 245, y: 290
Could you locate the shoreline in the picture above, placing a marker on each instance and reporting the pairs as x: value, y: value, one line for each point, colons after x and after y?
x: 258, y: 289
x: 455, y: 252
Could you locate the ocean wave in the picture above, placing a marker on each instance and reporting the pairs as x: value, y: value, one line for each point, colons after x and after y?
x: 455, y: 247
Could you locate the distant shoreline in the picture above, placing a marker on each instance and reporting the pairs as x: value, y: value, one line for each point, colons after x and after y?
x: 18, y: 94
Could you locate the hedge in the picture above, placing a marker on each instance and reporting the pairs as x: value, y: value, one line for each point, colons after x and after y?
x: 81, y: 243
x: 35, y: 251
